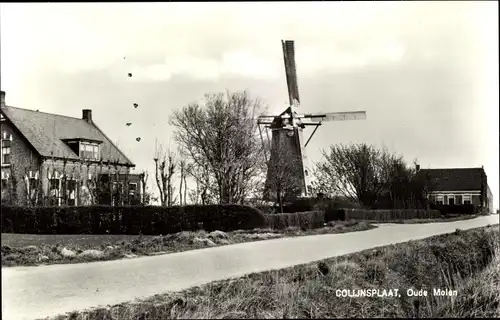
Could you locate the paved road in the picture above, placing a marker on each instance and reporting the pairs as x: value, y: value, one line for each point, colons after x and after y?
x: 34, y: 292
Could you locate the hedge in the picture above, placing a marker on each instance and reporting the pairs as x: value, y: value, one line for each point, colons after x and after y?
x: 148, y: 220
x: 308, y: 204
x: 305, y: 220
x: 387, y: 215
x: 455, y: 209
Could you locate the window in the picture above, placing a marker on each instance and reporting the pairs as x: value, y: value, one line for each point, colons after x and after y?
x: 6, y: 188
x: 5, y: 155
x: 117, y: 193
x: 71, y: 192
x: 306, y: 173
x: 5, y: 182
x: 54, y: 184
x: 451, y: 199
x: 466, y: 199
x: 6, y: 139
x: 54, y: 191
x: 33, y: 184
x: 89, y: 151
x: 132, y: 188
x: 439, y: 199
x: 116, y: 186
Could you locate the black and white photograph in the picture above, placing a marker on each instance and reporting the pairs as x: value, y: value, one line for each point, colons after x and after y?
x: 250, y: 160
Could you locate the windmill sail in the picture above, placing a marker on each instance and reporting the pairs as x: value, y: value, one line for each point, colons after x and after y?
x: 291, y: 71
x: 337, y: 116
x: 287, y: 143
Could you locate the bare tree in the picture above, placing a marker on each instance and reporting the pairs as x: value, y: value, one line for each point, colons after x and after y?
x: 372, y: 177
x: 165, y: 165
x: 21, y: 188
x: 205, y: 188
x: 183, y: 166
x: 221, y: 142
x: 194, y: 196
x: 172, y: 164
x: 94, y: 187
x: 145, y: 198
x: 10, y: 195
x: 184, y: 178
x: 283, y: 178
x: 352, y: 171
x: 406, y: 187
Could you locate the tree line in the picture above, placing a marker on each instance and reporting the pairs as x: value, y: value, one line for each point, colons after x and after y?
x: 221, y: 149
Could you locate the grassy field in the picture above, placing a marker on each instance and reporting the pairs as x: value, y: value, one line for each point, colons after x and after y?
x: 31, y: 250
x: 465, y: 261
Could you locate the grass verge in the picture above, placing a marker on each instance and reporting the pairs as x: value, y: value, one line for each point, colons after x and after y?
x: 465, y: 261
x: 31, y: 250
x: 449, y: 218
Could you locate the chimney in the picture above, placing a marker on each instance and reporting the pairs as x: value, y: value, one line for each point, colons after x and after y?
x: 3, y: 99
x: 87, y: 115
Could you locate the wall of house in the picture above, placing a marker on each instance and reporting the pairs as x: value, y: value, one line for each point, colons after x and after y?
x: 475, y: 197
x: 490, y: 201
x: 23, y: 158
x: 476, y: 200
x: 84, y: 173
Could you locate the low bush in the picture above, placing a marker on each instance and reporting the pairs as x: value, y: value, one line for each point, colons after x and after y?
x: 387, y: 215
x: 145, y: 220
x: 305, y: 220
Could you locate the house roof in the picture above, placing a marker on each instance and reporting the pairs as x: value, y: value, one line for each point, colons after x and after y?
x: 455, y: 179
x: 46, y: 131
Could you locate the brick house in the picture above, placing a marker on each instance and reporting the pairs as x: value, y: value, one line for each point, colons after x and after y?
x: 59, y: 160
x: 461, y: 186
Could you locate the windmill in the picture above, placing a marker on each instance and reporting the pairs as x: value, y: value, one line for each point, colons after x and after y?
x: 287, y: 127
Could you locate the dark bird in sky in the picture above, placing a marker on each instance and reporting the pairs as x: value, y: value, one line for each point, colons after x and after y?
x: 135, y: 105
x: 124, y: 57
x: 130, y: 75
x: 129, y: 123
x: 138, y: 139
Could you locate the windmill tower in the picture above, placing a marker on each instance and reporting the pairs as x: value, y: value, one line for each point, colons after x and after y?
x: 287, y: 129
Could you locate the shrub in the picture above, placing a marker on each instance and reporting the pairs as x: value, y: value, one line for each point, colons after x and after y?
x: 307, y: 220
x: 388, y: 215
x: 128, y: 219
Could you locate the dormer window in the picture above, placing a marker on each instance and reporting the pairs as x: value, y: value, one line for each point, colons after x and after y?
x: 89, y: 151
x: 86, y: 149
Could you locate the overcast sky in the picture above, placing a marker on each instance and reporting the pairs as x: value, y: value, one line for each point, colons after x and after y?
x: 425, y: 72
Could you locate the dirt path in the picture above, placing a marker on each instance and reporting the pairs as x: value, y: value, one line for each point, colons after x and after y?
x: 35, y: 292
